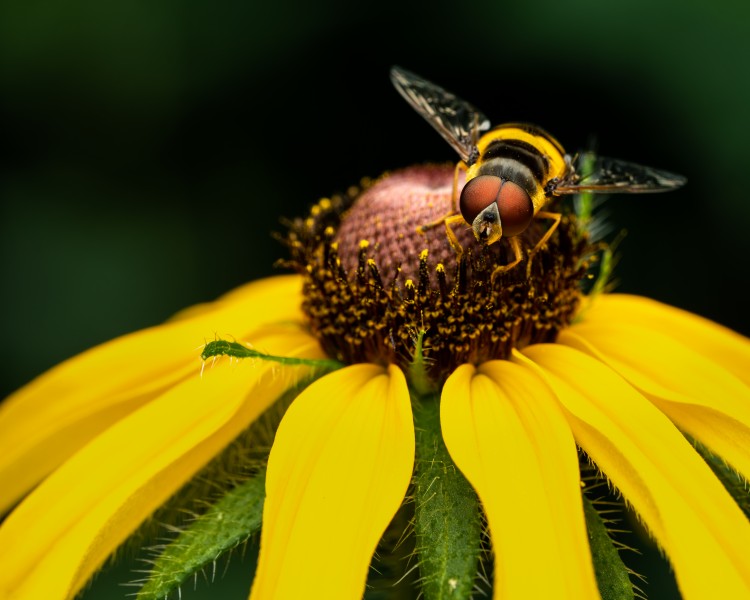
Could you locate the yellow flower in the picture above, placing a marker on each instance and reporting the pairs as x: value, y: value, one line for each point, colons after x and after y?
x: 90, y: 449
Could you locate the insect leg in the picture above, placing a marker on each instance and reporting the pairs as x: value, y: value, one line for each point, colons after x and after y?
x: 555, y: 217
x: 452, y: 239
x: 454, y: 215
x: 515, y: 244
x: 460, y: 166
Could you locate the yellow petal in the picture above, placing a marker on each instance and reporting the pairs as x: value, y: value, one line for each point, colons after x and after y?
x: 704, y: 533
x: 698, y: 394
x: 63, y: 531
x: 507, y: 434
x: 338, y: 471
x: 48, y: 420
x: 710, y: 339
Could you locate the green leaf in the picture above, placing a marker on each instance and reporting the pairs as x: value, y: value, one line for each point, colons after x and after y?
x: 447, y: 518
x: 226, y: 524
x: 612, y: 575
x: 239, y: 350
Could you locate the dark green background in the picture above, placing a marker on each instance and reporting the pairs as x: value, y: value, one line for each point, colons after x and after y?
x: 148, y: 148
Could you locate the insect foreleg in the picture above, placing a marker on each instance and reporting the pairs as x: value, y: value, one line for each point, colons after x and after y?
x: 452, y: 239
x: 515, y: 244
x: 454, y: 216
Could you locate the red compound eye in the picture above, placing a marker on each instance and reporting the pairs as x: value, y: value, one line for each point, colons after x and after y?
x: 478, y: 194
x: 514, y: 204
x: 516, y: 209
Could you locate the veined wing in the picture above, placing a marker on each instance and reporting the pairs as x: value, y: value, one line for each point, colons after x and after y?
x: 456, y: 120
x: 613, y: 176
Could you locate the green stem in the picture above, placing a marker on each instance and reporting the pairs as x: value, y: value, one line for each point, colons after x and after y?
x: 447, y: 516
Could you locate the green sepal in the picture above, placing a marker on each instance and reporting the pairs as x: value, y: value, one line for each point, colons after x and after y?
x: 239, y: 350
x: 734, y: 483
x: 612, y: 576
x: 418, y: 373
x: 447, y: 516
x: 228, y: 523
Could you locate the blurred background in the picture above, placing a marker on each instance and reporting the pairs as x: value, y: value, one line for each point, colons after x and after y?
x: 149, y: 148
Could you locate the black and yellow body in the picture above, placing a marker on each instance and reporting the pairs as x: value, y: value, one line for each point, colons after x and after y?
x: 507, y: 185
x: 522, y: 153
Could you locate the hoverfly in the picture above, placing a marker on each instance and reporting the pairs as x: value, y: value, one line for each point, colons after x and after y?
x: 513, y: 170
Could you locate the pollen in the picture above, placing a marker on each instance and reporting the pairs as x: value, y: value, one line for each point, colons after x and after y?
x: 379, y: 271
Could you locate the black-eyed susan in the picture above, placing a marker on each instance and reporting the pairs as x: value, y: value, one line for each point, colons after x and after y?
x: 418, y: 383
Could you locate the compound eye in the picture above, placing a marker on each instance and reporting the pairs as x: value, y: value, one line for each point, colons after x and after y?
x: 516, y: 208
x: 478, y: 194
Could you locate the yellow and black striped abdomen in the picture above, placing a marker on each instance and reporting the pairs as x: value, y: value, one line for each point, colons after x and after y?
x: 524, y: 154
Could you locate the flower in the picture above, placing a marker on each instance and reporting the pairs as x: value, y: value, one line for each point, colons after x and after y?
x: 526, y: 370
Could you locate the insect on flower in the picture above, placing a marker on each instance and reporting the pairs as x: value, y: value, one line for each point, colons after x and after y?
x: 513, y: 170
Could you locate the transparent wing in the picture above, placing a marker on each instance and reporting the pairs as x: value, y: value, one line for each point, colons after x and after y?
x: 612, y: 176
x: 457, y: 121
